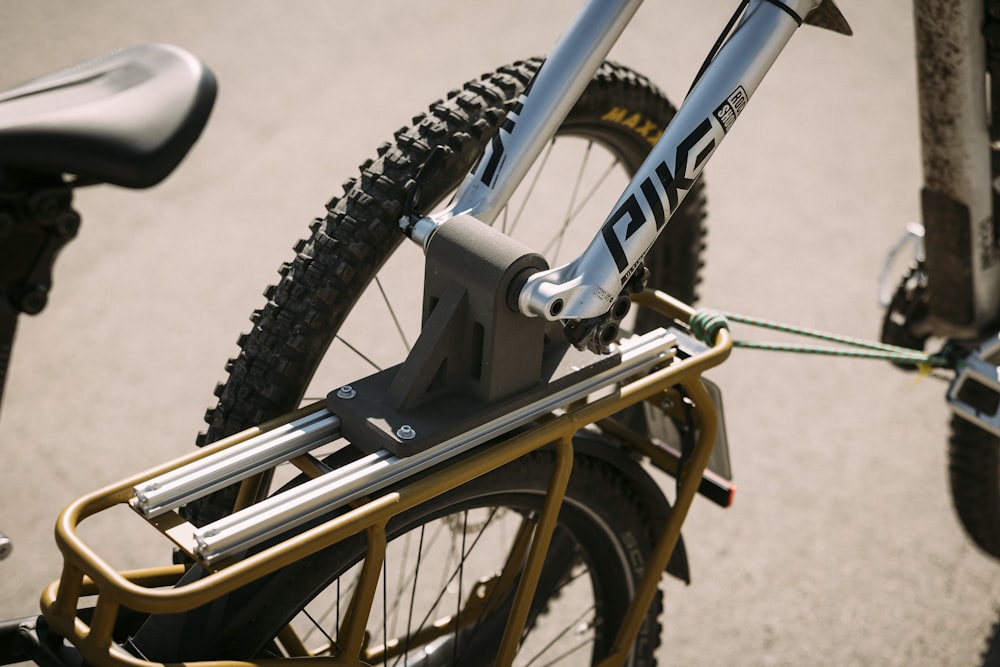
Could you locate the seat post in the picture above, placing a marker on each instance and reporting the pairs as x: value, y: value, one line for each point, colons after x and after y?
x: 36, y: 221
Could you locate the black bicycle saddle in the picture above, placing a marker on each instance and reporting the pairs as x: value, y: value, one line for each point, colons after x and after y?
x: 127, y: 118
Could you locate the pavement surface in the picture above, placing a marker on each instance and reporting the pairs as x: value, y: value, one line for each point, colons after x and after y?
x: 842, y: 547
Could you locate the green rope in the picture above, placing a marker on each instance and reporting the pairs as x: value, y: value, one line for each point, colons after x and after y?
x: 706, y: 324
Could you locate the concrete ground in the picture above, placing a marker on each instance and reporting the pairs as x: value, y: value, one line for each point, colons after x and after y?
x: 842, y: 547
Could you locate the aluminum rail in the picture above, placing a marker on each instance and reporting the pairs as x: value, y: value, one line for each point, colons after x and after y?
x: 166, y: 492
x: 269, y: 518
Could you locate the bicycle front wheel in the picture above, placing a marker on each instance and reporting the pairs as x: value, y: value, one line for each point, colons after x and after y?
x: 348, y: 303
x: 451, y: 569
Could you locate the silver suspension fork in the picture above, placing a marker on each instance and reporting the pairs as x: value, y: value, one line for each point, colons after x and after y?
x: 587, y: 286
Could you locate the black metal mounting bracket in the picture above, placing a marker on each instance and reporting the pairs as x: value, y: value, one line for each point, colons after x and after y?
x: 477, y: 356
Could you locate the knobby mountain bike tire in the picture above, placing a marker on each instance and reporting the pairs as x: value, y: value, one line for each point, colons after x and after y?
x: 457, y: 548
x: 973, y: 453
x: 974, y: 472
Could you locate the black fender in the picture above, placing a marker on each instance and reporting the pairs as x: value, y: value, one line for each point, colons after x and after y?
x: 597, y: 446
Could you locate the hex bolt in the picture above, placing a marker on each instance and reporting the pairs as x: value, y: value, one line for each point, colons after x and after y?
x: 406, y: 432
x: 346, y: 392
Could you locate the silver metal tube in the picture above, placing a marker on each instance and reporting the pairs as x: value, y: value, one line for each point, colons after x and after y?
x: 284, y: 511
x: 563, y: 77
x: 173, y: 489
x: 587, y: 286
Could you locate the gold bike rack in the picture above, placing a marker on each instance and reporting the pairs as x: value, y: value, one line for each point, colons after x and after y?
x: 155, y: 591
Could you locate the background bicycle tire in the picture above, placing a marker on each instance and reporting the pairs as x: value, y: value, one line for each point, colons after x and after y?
x: 842, y: 547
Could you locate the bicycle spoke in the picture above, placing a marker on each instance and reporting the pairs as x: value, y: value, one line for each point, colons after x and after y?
x: 531, y: 188
x: 393, y: 610
x: 318, y: 626
x: 423, y: 633
x: 454, y: 573
x: 320, y: 622
x: 574, y: 208
x: 359, y: 353
x: 413, y: 596
x: 461, y: 573
x: 573, y: 578
x: 565, y: 654
x: 567, y: 218
x: 594, y: 188
x: 392, y: 314
x: 569, y: 627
